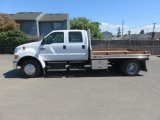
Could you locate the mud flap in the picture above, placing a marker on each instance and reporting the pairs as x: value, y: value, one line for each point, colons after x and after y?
x: 143, y: 65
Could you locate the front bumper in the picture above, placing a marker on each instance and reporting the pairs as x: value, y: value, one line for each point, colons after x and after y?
x: 14, y: 64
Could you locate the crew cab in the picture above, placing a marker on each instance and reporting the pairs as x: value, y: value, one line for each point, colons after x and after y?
x: 67, y: 49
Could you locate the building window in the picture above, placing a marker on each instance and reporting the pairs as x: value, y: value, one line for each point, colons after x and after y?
x: 57, y: 26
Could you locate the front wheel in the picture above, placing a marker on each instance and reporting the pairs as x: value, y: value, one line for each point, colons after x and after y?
x: 30, y: 68
x: 130, y: 67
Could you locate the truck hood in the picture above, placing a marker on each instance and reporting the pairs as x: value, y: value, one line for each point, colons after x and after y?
x: 33, y: 45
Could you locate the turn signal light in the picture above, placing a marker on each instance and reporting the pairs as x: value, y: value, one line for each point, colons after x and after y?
x: 16, y: 56
x: 24, y: 47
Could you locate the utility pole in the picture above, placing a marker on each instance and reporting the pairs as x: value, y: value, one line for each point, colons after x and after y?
x: 122, y: 26
x: 153, y: 34
x: 154, y: 26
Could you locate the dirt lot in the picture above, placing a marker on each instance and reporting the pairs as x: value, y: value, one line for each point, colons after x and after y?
x: 80, y: 95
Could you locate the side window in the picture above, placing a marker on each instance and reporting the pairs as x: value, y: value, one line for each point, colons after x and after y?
x: 75, y: 37
x: 56, y: 37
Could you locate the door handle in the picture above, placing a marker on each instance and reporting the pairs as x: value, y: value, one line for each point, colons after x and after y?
x: 64, y: 46
x: 83, y: 46
x: 42, y: 48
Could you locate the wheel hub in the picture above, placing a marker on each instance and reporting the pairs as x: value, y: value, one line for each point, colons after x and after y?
x: 132, y: 68
x: 29, y: 69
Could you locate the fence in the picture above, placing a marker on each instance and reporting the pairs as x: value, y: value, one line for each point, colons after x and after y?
x: 153, y: 46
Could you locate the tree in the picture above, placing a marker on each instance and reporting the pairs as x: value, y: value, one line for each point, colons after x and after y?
x: 96, y: 34
x: 85, y: 24
x: 129, y: 32
x: 119, y: 32
x: 10, y: 35
x: 6, y: 23
x: 142, y: 32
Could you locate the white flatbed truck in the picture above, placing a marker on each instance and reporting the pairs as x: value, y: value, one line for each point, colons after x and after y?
x: 67, y: 49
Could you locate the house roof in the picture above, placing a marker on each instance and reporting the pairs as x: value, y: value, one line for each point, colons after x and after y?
x: 25, y: 15
x: 132, y: 36
x: 106, y: 32
x: 157, y: 34
x: 138, y: 37
x: 54, y: 17
x: 135, y: 36
x: 143, y: 36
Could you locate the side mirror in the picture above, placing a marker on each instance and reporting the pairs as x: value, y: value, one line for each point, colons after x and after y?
x: 43, y: 42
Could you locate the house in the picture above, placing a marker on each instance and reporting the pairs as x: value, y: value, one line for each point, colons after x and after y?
x: 107, y: 35
x: 29, y: 21
x: 138, y: 37
x: 144, y: 37
x: 131, y: 37
x: 117, y: 38
x: 157, y: 35
x: 51, y: 22
x: 38, y: 23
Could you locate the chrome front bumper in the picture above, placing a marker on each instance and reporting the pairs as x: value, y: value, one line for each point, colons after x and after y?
x: 14, y: 64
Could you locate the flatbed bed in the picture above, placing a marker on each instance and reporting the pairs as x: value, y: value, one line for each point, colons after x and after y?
x: 116, y: 53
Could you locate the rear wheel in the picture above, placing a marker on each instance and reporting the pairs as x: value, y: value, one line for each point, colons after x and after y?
x: 130, y: 67
x: 30, y: 68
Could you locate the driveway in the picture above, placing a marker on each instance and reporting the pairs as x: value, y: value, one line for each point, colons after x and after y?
x: 80, y: 95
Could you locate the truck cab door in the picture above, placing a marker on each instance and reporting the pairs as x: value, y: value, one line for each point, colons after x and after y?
x: 53, y: 47
x: 77, y: 47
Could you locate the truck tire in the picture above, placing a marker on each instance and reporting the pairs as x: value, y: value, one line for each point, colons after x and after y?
x: 130, y: 67
x: 30, y: 68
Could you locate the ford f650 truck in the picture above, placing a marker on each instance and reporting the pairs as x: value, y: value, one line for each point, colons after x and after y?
x: 67, y: 49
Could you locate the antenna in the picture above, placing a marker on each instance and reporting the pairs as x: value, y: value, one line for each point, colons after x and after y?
x: 122, y: 26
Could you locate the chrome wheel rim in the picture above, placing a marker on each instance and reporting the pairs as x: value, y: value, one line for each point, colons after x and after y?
x: 132, y: 68
x: 29, y: 69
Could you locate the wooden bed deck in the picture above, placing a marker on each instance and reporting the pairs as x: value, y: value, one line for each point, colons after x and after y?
x: 118, y: 51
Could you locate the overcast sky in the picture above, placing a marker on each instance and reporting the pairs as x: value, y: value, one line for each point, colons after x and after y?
x: 137, y: 14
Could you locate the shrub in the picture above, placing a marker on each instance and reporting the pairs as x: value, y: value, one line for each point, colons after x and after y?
x: 10, y: 39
